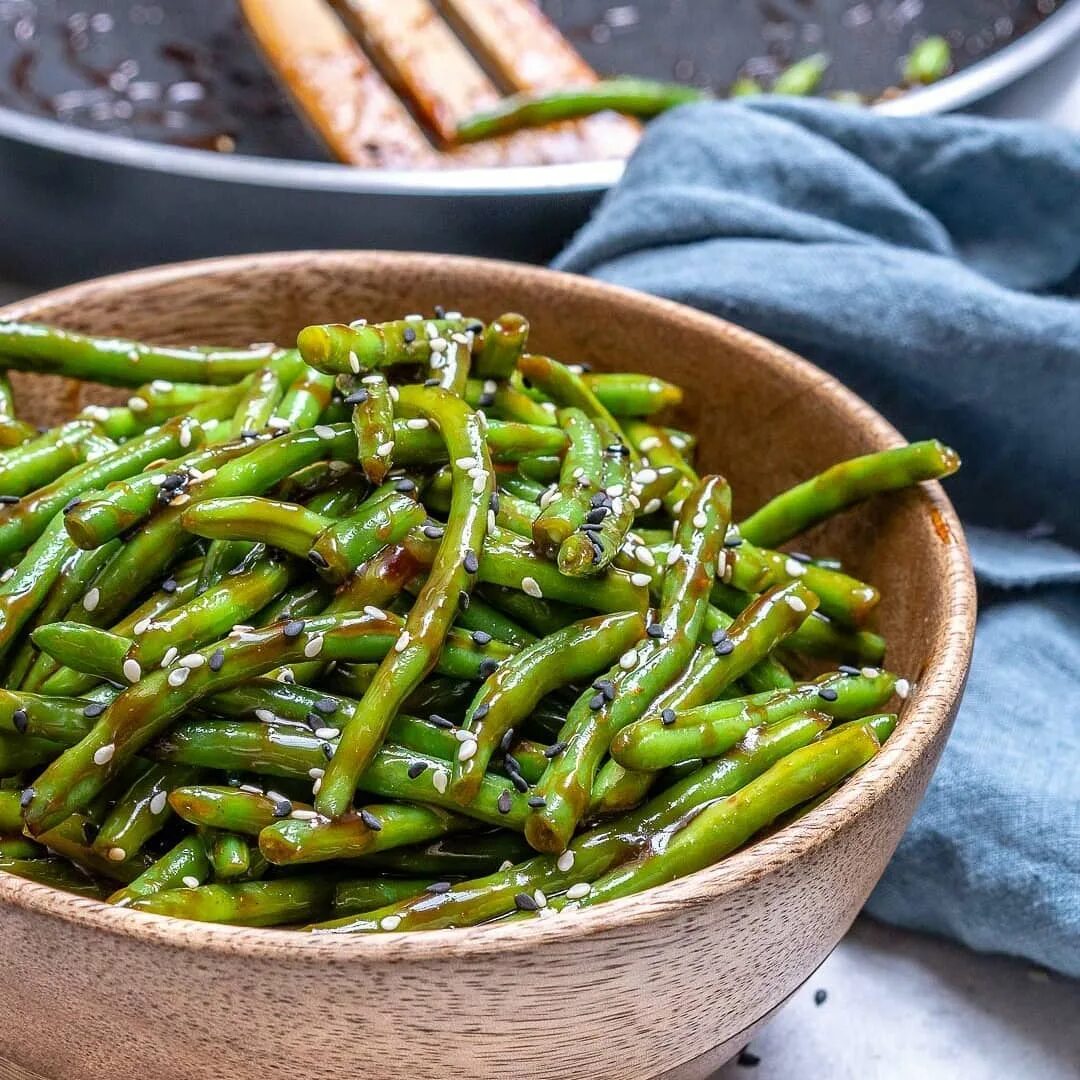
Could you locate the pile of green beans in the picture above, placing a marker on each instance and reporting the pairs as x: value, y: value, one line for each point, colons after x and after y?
x: 407, y: 627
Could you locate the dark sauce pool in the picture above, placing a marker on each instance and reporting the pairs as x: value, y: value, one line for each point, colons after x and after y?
x: 185, y: 73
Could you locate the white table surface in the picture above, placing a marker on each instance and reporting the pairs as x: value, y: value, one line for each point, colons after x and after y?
x: 903, y: 1006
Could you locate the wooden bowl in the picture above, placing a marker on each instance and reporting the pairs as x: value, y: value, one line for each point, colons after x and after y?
x: 672, y: 981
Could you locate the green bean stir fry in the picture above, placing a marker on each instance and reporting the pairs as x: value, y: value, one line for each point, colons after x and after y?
x: 407, y: 628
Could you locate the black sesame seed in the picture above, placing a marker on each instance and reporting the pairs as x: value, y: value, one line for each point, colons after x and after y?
x: 247, y: 433
x: 481, y: 637
x: 599, y: 499
x: 748, y: 1060
x: 518, y: 781
x: 370, y: 820
x: 596, y: 515
x: 486, y: 668
x: 464, y: 600
x: 494, y: 502
x: 827, y: 693
x: 725, y: 647
x: 527, y: 383
x: 26, y: 797
x: 217, y: 659
x: 174, y: 480
x: 416, y: 768
x: 328, y: 750
x: 72, y: 504
x: 486, y: 400
x: 95, y: 708
x: 820, y: 997
x: 507, y: 740
x: 847, y: 669
x: 524, y: 902
x: 596, y: 702
x: 654, y: 630
x: 717, y: 636
x: 592, y: 526
x: 405, y: 485
x: 90, y: 830
x: 667, y: 717
x: 433, y: 532
x: 732, y: 541
x: 504, y: 802
x: 471, y: 562
x: 799, y: 556
x: 439, y: 887
x: 440, y: 721
x: 20, y: 720
x: 512, y: 764
x: 440, y: 311
x: 357, y: 397
x: 293, y: 628
x: 606, y: 687
x: 9, y: 500
x: 555, y: 749
x: 537, y: 802
x: 282, y: 808
x: 314, y: 721
x: 316, y: 558
x: 475, y: 327
x: 409, y: 335
x: 326, y: 705
x: 481, y: 710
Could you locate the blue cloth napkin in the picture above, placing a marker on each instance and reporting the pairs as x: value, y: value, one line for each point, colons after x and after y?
x: 928, y: 263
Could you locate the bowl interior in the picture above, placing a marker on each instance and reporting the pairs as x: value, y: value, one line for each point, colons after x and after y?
x: 764, y: 418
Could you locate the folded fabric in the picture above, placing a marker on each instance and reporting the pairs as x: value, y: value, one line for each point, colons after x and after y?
x: 928, y: 264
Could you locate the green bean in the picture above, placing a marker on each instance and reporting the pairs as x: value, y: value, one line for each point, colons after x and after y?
x: 928, y: 61
x: 507, y: 402
x: 364, y: 894
x: 509, y: 696
x: 141, y: 812
x: 252, y: 903
x: 230, y: 856
x: 305, y: 401
x: 235, y: 810
x: 373, y: 423
x: 56, y: 873
x: 18, y: 847
x: 115, y: 362
x: 707, y: 835
x: 624, y: 394
x: 338, y: 349
x: 452, y: 572
x: 580, y: 478
x: 71, y: 839
x: 538, y: 615
x: 185, y: 865
x: 803, y: 77
x: 480, y: 617
x: 643, y: 98
x: 502, y: 343
x: 641, y: 674
x: 374, y: 827
x: 40, y: 461
x: 840, y: 486
x: 709, y: 730
x: 655, y: 446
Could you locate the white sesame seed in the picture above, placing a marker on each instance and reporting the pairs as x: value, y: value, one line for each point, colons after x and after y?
x: 640, y: 580
x: 303, y: 815
x: 374, y: 612
x: 491, y: 521
x: 180, y: 500
x: 417, y: 423
x: 316, y: 773
x: 439, y: 780
x: 178, y: 676
x: 677, y: 508
x: 466, y: 463
x: 540, y: 898
x: 647, y: 476
x: 490, y: 386
x: 578, y: 891
x: 358, y: 324
x: 431, y: 330
x: 278, y: 423
x: 104, y: 754
x: 116, y: 854
x: 531, y: 587
x: 137, y: 404
x: 394, y: 393
x: 251, y: 789
x: 505, y: 865
x: 903, y: 688
x: 265, y: 715
x: 327, y: 732
x: 700, y: 520
x: 132, y: 670
x: 324, y: 431
x: 384, y: 449
x: 548, y: 495
x: 91, y: 599
x: 548, y: 406
x: 644, y: 556
x: 628, y: 659
x: 158, y: 801
x: 372, y: 380
x: 796, y: 603
x: 313, y: 646
x: 402, y: 642
x: 462, y: 735
x: 794, y: 568
x: 354, y: 363
x: 413, y: 318
x: 185, y: 436
x: 8, y: 574
x: 467, y: 750
x: 578, y: 473
x: 674, y: 555
x: 870, y: 672
x: 615, y: 490
x: 678, y: 442
x: 438, y: 344
x: 565, y: 861
x: 189, y: 881
x: 193, y: 660
x: 390, y: 922
x: 170, y: 656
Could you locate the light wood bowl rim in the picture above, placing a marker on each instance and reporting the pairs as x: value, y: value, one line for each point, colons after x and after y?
x: 926, y: 712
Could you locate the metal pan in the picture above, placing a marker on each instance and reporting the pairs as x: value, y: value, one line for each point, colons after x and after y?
x: 76, y: 201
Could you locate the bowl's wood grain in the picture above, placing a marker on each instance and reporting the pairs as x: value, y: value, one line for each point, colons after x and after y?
x: 636, y: 988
